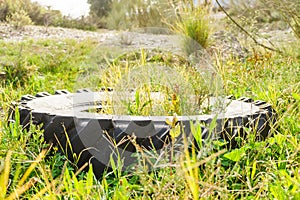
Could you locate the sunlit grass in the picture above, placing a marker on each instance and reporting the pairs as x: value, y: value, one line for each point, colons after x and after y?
x: 260, y: 169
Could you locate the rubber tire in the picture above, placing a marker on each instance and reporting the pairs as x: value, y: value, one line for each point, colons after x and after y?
x: 92, y: 137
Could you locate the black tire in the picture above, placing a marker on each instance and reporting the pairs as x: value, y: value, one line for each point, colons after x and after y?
x: 93, y: 137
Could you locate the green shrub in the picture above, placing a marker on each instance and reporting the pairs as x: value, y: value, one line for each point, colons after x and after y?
x: 7, y: 7
x: 24, y: 12
x: 10, y: 7
x: 19, y: 19
x: 36, y: 12
x: 20, y: 12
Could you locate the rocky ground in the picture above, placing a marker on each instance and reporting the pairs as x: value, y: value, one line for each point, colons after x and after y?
x: 149, y: 39
x: 224, y: 42
x: 8, y: 33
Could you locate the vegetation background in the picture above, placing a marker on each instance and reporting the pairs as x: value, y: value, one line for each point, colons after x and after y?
x: 31, y: 169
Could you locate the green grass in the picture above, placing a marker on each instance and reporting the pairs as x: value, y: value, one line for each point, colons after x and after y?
x: 259, y: 170
x: 46, y: 65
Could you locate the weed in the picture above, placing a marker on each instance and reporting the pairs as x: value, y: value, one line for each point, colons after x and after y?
x: 148, y: 91
x: 192, y: 22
